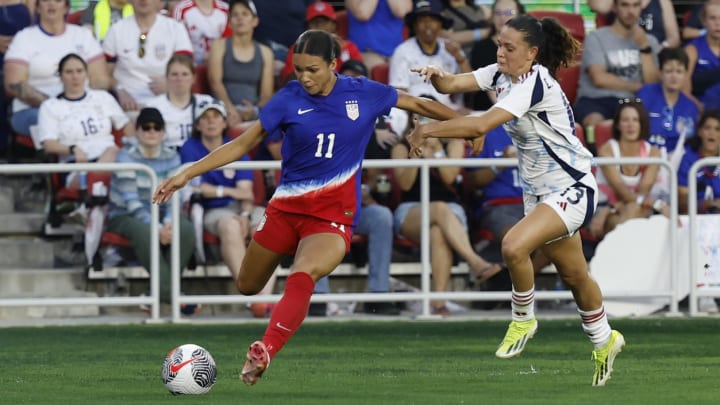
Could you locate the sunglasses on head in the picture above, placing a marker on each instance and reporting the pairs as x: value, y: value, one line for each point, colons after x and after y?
x: 630, y: 101
x: 505, y: 13
x: 141, y: 48
x: 151, y: 126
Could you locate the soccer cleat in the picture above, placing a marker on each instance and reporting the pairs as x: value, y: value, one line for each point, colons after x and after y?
x: 258, y: 359
x: 605, y: 357
x: 518, y: 333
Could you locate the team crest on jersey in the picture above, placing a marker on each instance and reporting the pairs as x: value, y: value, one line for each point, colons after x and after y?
x: 229, y: 173
x: 352, y: 109
x: 160, y: 51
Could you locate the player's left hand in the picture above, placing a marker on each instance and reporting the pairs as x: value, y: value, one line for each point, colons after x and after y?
x: 416, y: 140
x: 476, y: 144
x: 429, y: 72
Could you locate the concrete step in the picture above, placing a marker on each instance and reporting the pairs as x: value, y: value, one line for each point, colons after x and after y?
x: 21, y: 223
x: 47, y: 312
x: 25, y: 253
x: 7, y: 200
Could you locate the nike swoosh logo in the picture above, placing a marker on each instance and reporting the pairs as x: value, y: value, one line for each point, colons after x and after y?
x: 279, y: 325
x: 301, y: 111
x: 174, y: 368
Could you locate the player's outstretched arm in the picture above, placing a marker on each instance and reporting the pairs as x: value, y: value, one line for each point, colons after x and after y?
x: 425, y: 107
x: 219, y: 157
x: 448, y: 83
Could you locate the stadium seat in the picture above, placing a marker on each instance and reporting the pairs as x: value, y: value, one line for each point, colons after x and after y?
x: 380, y: 73
x: 341, y: 24
x: 201, y: 85
x: 573, y: 22
x: 74, y: 17
x: 602, y: 20
x: 603, y: 133
x: 569, y: 79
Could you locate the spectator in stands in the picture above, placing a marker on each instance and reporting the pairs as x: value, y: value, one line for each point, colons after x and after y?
x: 138, y: 49
x: 424, y: 48
x: 226, y: 195
x: 704, y: 59
x: 31, y: 76
x: 555, y: 173
x: 179, y: 106
x: 616, y: 62
x: 206, y: 21
x: 240, y: 68
x: 77, y: 124
x: 281, y: 21
x: 100, y: 15
x: 484, y: 51
x: 656, y: 18
x: 627, y: 188
x: 129, y: 214
x: 321, y: 16
x: 672, y: 113
x: 448, y: 222
x: 376, y: 27
x: 15, y: 15
x: 315, y: 206
x: 705, y: 144
x: 694, y: 28
x: 469, y: 23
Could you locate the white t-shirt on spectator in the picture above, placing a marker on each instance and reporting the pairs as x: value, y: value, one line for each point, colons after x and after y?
x: 178, y: 121
x: 408, y: 55
x: 203, y: 28
x: 41, y: 52
x: 122, y: 44
x: 86, y: 123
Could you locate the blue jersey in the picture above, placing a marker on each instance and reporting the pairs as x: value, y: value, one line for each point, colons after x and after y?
x: 708, y: 177
x: 194, y: 150
x: 666, y: 123
x: 507, y: 183
x: 324, y: 143
x: 707, y: 61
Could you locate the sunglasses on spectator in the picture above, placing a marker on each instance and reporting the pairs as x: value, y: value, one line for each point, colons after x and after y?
x: 505, y: 13
x: 630, y: 101
x: 141, y: 48
x: 151, y: 126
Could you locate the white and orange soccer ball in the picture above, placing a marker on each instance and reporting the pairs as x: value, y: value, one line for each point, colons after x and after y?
x: 189, y: 369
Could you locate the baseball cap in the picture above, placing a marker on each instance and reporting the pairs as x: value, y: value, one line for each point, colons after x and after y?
x: 213, y: 104
x: 427, y: 7
x: 320, y: 9
x: 354, y: 65
x: 249, y: 4
x: 149, y: 114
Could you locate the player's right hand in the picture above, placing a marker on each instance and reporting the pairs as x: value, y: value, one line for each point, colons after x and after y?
x: 429, y: 71
x: 166, y: 189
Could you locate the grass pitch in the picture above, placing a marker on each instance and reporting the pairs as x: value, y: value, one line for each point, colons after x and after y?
x: 666, y: 361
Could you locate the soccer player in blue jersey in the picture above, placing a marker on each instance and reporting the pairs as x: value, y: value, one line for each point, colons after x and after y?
x: 560, y: 192
x: 327, y: 120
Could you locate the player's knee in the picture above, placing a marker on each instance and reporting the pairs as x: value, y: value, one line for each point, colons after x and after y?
x: 513, y: 251
x: 247, y: 287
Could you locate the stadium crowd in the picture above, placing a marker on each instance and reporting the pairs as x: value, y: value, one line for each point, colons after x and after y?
x: 199, y: 72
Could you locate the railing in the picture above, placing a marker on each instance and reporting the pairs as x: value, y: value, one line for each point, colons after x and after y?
x: 425, y: 295
x: 695, y: 292
x: 154, y: 299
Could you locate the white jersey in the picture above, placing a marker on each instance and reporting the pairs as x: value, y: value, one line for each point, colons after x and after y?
x: 122, y: 47
x: 86, y: 122
x: 41, y: 53
x: 178, y: 121
x: 551, y: 157
x: 408, y: 55
x: 203, y: 28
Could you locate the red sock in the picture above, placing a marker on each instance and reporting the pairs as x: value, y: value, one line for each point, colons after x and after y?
x: 289, y: 312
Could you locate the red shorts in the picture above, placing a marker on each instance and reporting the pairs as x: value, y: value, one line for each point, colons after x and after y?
x: 281, y: 231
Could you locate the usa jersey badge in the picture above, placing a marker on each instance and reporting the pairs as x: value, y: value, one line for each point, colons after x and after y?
x: 352, y: 109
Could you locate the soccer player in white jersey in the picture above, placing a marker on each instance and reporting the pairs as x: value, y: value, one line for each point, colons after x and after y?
x: 328, y: 120
x: 138, y: 49
x: 179, y: 106
x: 205, y: 20
x: 560, y: 193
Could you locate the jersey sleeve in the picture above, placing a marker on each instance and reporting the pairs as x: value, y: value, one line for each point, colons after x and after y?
x: 593, y: 53
x: 109, y: 45
x: 20, y: 48
x: 399, y: 73
x: 91, y: 46
x: 523, y: 96
x: 48, y: 124
x: 384, y: 97
x: 112, y: 108
x: 182, y: 39
x: 486, y: 76
x: 273, y: 114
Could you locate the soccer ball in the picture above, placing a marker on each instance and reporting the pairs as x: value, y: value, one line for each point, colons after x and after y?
x: 189, y: 369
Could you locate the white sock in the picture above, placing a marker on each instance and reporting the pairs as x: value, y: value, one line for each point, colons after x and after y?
x: 596, y: 326
x: 523, y: 305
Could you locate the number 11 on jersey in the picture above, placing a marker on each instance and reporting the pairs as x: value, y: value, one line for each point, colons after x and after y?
x: 331, y: 143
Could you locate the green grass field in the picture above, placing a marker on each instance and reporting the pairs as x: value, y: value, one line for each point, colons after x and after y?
x: 666, y: 361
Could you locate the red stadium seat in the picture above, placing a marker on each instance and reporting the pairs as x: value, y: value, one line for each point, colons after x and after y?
x: 201, y: 84
x: 380, y: 73
x: 603, y: 133
x: 580, y: 133
x: 573, y: 22
x: 74, y: 17
x: 602, y: 20
x: 341, y: 24
x: 569, y: 79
